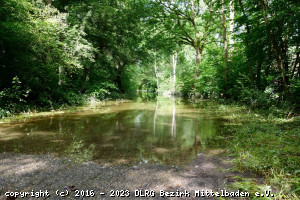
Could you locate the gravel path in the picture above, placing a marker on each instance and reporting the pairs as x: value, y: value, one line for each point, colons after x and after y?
x: 27, y: 173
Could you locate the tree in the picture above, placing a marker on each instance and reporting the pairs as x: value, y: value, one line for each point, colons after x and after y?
x: 191, y: 22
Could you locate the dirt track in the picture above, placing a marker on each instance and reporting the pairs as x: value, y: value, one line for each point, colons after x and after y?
x: 24, y: 173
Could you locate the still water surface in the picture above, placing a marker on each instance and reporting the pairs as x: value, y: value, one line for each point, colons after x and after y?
x: 165, y: 132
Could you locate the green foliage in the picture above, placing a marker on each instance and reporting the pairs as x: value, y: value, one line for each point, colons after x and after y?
x: 265, y: 145
x: 103, y: 91
x: 13, y: 99
x: 80, y: 48
x: 295, y: 93
x: 64, y: 57
x: 129, y: 81
x: 208, y: 83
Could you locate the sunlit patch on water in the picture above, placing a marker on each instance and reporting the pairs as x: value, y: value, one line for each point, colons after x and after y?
x: 164, y: 132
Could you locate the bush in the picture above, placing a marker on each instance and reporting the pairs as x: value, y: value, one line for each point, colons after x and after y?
x: 104, y: 91
x: 13, y: 99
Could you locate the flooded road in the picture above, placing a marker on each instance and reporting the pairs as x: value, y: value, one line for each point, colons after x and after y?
x: 163, y: 132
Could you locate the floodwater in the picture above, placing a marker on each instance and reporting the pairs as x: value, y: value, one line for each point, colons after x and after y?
x: 164, y: 132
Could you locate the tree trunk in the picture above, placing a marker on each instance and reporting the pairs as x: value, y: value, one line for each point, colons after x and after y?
x: 196, y: 141
x: 174, y: 71
x: 231, y: 27
x: 198, y: 56
x: 298, y: 71
x: 295, y: 64
x: 60, y: 71
x: 270, y: 57
x: 251, y: 73
x: 87, y: 74
x: 225, y: 43
x: 198, y: 61
x: 258, y: 74
x: 278, y: 55
x: 155, y: 70
x: 247, y: 44
x: 284, y: 49
x: 119, y: 78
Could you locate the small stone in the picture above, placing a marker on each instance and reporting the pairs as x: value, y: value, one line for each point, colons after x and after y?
x: 135, y: 167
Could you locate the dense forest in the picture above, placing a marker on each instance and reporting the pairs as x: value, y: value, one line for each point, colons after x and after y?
x: 239, y: 58
x: 62, y: 52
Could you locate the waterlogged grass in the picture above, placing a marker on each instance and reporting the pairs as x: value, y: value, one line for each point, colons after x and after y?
x: 266, y: 145
x: 92, y: 104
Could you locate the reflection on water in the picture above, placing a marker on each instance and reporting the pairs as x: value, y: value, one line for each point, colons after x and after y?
x: 165, y: 132
x: 173, y: 132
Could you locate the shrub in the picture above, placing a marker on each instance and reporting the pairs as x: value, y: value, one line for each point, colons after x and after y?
x: 13, y: 99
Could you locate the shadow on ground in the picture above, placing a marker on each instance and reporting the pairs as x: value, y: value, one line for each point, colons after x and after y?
x: 27, y: 173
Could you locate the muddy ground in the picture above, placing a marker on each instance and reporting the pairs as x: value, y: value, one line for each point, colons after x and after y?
x: 32, y: 173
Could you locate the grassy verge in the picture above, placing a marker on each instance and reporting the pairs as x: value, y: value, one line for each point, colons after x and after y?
x: 266, y: 145
x: 93, y: 104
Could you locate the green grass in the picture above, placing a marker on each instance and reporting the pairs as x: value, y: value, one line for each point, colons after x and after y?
x: 266, y: 145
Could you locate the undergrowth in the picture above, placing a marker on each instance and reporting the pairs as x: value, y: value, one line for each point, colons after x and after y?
x: 267, y: 145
